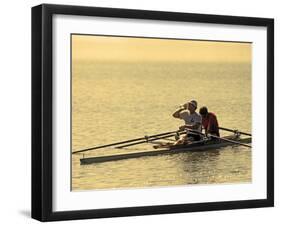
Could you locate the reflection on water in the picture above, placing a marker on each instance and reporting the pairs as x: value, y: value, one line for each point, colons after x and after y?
x: 119, y: 101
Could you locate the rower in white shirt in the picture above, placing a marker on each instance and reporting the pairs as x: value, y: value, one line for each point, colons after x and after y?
x: 192, y: 120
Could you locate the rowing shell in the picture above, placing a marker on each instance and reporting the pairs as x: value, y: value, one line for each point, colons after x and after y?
x: 195, y: 146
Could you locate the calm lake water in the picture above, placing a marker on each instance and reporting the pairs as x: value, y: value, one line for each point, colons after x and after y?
x: 119, y: 101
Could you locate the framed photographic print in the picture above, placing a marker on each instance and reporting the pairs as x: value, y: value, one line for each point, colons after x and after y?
x: 145, y: 112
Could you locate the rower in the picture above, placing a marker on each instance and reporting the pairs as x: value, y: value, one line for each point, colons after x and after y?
x: 192, y: 120
x: 209, y: 122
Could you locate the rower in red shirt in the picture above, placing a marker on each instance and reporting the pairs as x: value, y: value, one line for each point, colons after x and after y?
x: 209, y: 122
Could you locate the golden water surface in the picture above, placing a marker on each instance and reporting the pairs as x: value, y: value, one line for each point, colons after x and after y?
x: 120, y: 100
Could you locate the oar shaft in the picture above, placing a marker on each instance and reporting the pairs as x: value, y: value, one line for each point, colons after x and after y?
x: 123, y: 142
x: 234, y: 131
x: 221, y: 138
x: 230, y: 141
x: 146, y: 141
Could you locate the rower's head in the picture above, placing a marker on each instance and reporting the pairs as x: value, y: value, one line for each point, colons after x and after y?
x: 203, y: 111
x: 192, y: 106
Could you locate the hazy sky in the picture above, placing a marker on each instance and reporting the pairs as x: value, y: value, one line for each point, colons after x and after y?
x: 144, y: 49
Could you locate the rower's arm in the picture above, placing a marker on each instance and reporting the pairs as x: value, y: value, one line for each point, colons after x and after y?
x: 176, y: 114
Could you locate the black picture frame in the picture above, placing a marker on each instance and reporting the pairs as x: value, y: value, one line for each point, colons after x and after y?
x: 42, y: 107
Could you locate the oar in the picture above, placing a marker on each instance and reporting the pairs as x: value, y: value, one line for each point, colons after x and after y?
x: 123, y: 142
x: 235, y: 131
x: 230, y: 141
x: 148, y: 140
x: 221, y: 138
